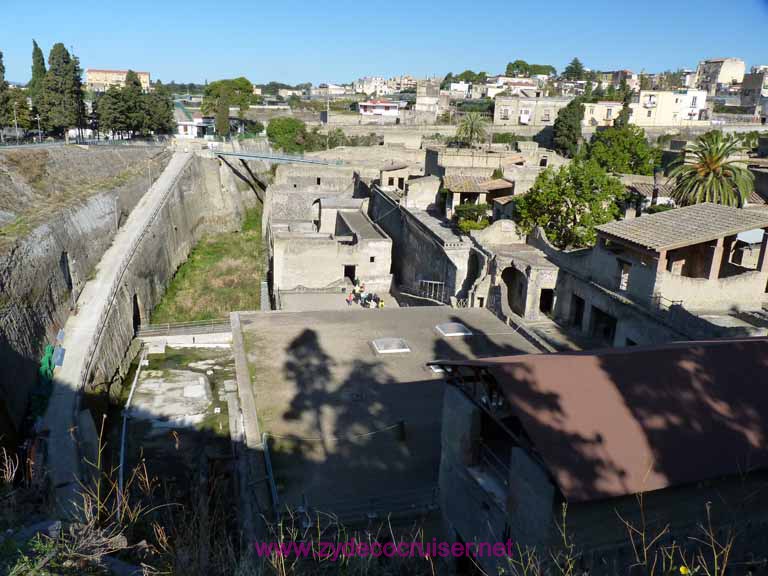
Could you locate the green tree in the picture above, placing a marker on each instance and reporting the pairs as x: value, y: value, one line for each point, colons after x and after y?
x: 518, y: 68
x: 222, y: 115
x: 566, y: 132
x: 109, y: 112
x: 708, y: 172
x: 238, y: 92
x: 19, y: 111
x: 288, y: 134
x: 574, y: 70
x: 35, y: 85
x: 132, y: 105
x: 158, y: 106
x: 472, y: 128
x: 623, y: 118
x: 542, y: 69
x: 570, y: 202
x: 5, y: 97
x: 61, y: 103
x: 623, y: 150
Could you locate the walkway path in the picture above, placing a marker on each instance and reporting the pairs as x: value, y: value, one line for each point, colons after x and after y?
x: 83, y: 329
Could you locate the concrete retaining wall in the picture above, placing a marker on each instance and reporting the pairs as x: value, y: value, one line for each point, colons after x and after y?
x: 41, y: 275
x: 202, y: 201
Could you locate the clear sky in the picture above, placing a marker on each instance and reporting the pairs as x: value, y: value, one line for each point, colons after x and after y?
x: 338, y: 41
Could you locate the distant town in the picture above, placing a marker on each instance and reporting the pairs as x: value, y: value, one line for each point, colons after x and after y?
x: 484, y: 323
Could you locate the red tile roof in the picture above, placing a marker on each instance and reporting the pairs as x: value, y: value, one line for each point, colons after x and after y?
x: 621, y: 421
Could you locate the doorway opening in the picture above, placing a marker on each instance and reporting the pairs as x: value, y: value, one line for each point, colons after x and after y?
x: 136, y: 315
x: 349, y: 272
x: 603, y: 326
x: 66, y: 271
x: 577, y: 311
x: 547, y: 301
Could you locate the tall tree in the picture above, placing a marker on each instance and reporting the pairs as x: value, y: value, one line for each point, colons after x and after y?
x: 472, y: 128
x: 35, y: 85
x: 570, y: 202
x: 5, y: 97
x: 61, y: 103
x: 159, y: 110
x: 132, y: 96
x: 566, y: 132
x: 574, y: 70
x: 708, y: 172
x: 222, y: 115
x: 109, y: 112
x: 238, y: 92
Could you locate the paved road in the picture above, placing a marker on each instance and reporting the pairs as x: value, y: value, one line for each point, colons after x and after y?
x: 81, y: 330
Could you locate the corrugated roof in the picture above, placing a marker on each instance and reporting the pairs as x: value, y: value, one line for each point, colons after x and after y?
x: 464, y: 184
x: 620, y: 421
x: 685, y: 226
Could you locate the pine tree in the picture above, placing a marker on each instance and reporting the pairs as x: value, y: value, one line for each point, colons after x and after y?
x: 159, y: 110
x: 567, y: 129
x: 76, y: 95
x: 56, y: 107
x: 132, y: 97
x: 109, y: 112
x: 35, y: 86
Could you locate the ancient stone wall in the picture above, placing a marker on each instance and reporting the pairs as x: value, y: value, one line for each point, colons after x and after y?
x: 42, y: 272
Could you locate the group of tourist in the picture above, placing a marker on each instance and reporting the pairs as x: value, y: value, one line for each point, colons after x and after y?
x: 361, y: 296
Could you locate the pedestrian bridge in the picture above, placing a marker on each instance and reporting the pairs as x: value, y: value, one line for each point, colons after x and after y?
x: 279, y: 158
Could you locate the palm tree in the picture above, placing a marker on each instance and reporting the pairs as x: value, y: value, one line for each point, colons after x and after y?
x: 472, y: 128
x: 707, y: 172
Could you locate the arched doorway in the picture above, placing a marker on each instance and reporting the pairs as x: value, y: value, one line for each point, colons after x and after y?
x: 517, y: 289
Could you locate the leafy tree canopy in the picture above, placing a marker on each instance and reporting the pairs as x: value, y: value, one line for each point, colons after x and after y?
x: 522, y: 68
x: 570, y: 202
x: 288, y: 134
x: 238, y: 92
x: 624, y: 150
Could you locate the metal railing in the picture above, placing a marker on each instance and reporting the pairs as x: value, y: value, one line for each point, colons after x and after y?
x: 280, y: 158
x: 213, y: 326
x: 406, y: 503
x: 112, y: 297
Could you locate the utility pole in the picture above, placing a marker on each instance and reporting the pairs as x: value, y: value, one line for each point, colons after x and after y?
x: 16, y: 121
x: 327, y: 116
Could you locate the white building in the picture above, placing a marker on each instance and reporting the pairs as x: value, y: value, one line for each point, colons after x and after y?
x: 380, y: 108
x: 669, y: 108
x: 329, y: 91
x: 372, y: 85
x: 460, y: 89
x: 718, y: 73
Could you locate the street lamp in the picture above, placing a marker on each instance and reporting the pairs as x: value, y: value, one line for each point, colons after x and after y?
x: 39, y: 132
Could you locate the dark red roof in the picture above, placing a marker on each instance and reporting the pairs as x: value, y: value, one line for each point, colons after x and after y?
x: 621, y: 421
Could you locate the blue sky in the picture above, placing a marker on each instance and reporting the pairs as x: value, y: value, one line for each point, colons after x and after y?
x: 338, y: 41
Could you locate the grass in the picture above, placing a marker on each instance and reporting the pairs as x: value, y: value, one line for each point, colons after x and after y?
x: 223, y: 273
